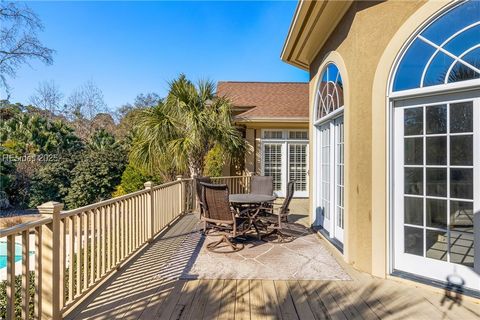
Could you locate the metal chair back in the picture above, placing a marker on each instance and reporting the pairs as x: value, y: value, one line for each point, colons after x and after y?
x: 198, y: 189
x: 216, y: 202
x: 261, y: 185
x: 288, y: 198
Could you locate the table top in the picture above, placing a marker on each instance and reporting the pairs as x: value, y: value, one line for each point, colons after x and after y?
x: 251, y: 198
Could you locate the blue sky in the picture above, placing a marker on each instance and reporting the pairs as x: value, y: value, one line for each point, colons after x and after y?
x: 128, y: 48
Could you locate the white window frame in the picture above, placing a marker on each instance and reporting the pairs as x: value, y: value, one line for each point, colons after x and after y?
x: 425, y: 95
x: 425, y: 267
x: 330, y: 225
x: 285, y: 141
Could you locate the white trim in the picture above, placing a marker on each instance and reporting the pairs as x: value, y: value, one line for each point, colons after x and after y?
x: 286, y: 142
x: 334, y: 114
x: 325, y: 100
x: 290, y: 30
x: 440, y: 48
x: 451, y: 55
x: 423, y: 265
x: 406, y: 46
x: 466, y: 85
x: 455, y: 62
x: 330, y: 124
x: 390, y: 98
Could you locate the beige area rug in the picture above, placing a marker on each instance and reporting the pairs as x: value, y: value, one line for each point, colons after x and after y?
x: 305, y: 258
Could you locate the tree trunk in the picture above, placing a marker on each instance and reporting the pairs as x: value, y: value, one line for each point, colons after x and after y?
x: 195, y: 165
x: 195, y: 170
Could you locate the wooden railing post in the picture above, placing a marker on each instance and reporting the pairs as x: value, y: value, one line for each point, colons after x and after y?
x: 150, y: 209
x: 51, y: 270
x: 249, y: 182
x: 182, y: 198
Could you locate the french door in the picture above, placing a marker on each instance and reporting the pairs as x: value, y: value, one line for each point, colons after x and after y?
x: 330, y: 178
x: 436, y: 187
x: 286, y: 161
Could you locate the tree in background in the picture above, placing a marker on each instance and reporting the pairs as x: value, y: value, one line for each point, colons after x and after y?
x: 145, y: 100
x: 97, y: 173
x: 48, y: 97
x: 7, y: 171
x: 30, y: 141
x: 26, y: 133
x: 126, y: 114
x: 104, y: 121
x: 82, y: 106
x: 19, y: 42
x: 102, y: 140
x: 178, y: 133
x: 133, y: 179
x: 52, y: 181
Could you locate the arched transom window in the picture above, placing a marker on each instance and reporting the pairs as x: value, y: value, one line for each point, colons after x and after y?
x: 330, y: 92
x: 446, y: 51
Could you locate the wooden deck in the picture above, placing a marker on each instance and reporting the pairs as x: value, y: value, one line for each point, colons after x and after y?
x: 147, y: 288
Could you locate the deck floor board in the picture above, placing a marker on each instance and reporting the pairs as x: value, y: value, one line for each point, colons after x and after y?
x: 149, y: 287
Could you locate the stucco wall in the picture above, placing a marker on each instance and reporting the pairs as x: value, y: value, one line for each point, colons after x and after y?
x: 359, y: 43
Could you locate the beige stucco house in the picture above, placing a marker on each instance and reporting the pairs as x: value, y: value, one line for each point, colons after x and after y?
x: 394, y: 127
x: 273, y: 117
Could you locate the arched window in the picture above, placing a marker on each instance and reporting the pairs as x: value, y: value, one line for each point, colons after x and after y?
x: 446, y: 51
x: 329, y: 141
x: 330, y: 92
x: 435, y: 147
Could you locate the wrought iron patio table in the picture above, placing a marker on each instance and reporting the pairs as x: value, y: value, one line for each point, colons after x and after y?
x: 254, y: 201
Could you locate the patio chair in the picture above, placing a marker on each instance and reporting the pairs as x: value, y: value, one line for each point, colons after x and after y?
x: 198, y: 189
x: 277, y: 220
x: 218, y: 213
x: 261, y: 185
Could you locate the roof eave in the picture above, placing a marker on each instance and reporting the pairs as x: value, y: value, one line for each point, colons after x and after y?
x: 271, y: 119
x: 312, y: 24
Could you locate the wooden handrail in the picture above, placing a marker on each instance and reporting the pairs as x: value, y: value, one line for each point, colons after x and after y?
x: 19, y: 228
x: 75, y: 250
x: 68, y: 213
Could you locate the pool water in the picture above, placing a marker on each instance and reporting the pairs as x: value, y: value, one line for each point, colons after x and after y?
x: 3, y: 253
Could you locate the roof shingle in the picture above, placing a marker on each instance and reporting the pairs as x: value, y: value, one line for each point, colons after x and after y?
x: 267, y: 99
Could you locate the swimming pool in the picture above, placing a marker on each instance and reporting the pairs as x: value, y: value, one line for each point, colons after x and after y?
x: 3, y: 253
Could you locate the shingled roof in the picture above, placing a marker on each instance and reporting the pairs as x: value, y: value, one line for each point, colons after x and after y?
x: 267, y: 100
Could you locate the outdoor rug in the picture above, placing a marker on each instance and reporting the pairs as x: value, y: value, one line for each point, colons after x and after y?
x: 305, y: 258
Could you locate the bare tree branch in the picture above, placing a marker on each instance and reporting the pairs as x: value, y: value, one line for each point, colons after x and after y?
x: 48, y: 97
x: 83, y: 105
x: 19, y: 42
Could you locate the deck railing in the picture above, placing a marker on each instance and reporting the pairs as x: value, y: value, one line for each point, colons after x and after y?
x: 236, y: 184
x: 76, y: 250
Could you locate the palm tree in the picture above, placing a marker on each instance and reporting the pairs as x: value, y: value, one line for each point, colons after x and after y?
x: 177, y: 134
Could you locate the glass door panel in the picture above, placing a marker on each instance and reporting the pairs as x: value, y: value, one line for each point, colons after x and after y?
x: 273, y: 165
x: 339, y: 179
x: 297, y: 167
x: 330, y: 200
x: 437, y: 159
x: 324, y: 173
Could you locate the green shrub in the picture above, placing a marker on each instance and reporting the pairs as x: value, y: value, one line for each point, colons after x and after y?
x: 18, y: 298
x: 214, y: 162
x: 95, y: 177
x: 52, y: 181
